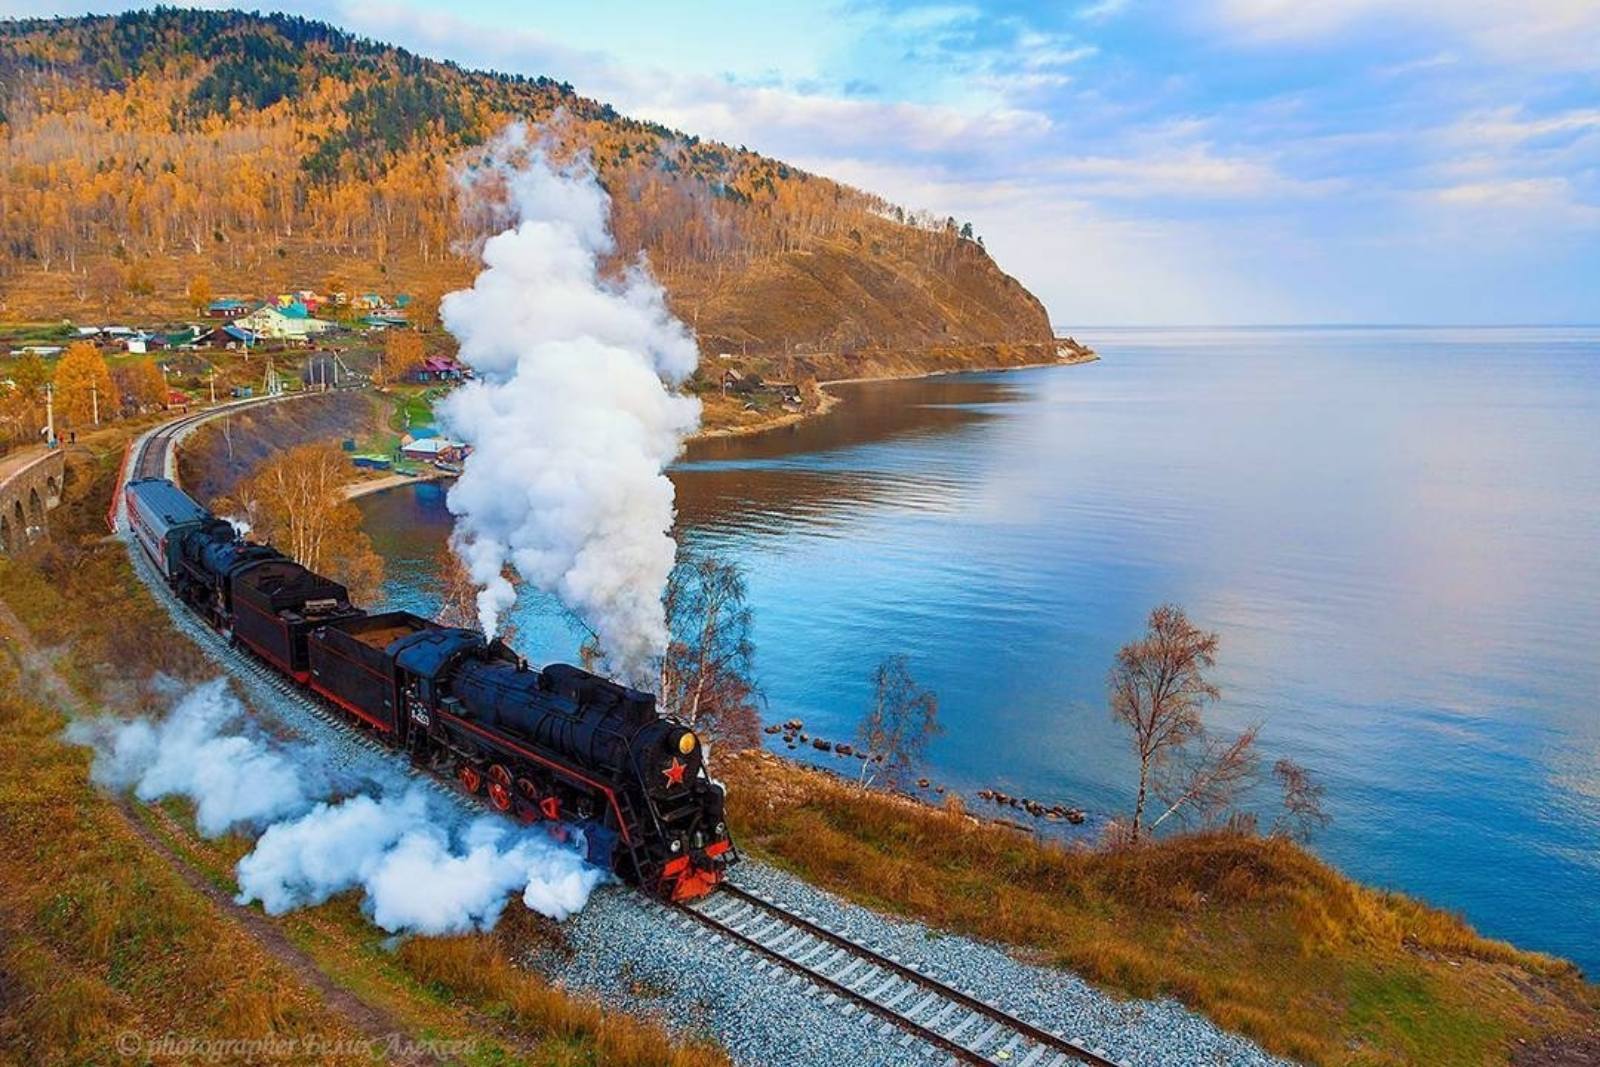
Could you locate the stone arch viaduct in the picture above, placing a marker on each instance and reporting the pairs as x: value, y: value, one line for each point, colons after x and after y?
x: 30, y: 485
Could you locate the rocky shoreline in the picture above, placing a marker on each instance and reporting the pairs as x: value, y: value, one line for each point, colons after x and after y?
x: 1069, y: 352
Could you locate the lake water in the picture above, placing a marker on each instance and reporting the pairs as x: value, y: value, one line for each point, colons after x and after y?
x: 1395, y: 532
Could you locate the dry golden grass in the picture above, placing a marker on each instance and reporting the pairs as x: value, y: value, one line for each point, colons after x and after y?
x: 1257, y: 933
x: 97, y: 936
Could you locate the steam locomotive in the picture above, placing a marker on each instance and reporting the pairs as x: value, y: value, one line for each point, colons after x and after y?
x: 557, y: 744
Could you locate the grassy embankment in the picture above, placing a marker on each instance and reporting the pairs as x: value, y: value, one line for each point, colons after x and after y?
x: 1258, y: 934
x: 115, y: 917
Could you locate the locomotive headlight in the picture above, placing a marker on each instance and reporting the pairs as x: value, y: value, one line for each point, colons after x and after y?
x: 677, y: 846
x: 686, y: 742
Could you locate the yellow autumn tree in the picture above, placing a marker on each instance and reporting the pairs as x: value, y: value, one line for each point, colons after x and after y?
x: 423, y: 311
x: 296, y: 503
x: 143, y: 384
x: 83, y: 387
x: 402, y: 350
x: 200, y: 295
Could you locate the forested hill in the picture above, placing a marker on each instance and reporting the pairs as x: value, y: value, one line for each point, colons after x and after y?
x: 264, y: 153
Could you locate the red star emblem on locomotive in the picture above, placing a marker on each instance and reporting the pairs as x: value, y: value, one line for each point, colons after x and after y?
x: 674, y: 773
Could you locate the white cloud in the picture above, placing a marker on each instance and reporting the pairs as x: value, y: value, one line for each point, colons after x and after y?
x: 1565, y: 32
x: 1101, y: 10
x: 1511, y: 126
x: 1551, y: 200
x: 1088, y: 264
x: 1196, y: 171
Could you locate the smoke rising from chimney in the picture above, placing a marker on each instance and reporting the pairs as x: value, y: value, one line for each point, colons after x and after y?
x: 573, y: 415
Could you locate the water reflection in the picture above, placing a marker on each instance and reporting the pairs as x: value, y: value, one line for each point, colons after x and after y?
x: 1393, y: 530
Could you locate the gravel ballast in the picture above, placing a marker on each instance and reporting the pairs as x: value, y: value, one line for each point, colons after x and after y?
x: 646, y: 960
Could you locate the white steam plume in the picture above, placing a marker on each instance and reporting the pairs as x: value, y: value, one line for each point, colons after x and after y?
x: 417, y: 873
x: 421, y: 865
x: 573, y: 415
x: 233, y: 780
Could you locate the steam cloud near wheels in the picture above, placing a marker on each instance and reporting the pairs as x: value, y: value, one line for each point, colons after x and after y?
x: 421, y: 864
x: 573, y: 415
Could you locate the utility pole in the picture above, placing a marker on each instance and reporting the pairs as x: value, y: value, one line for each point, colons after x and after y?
x: 94, y: 400
x: 213, y: 384
x: 50, y: 414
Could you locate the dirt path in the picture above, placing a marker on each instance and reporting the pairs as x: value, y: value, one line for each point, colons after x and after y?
x: 378, y: 1026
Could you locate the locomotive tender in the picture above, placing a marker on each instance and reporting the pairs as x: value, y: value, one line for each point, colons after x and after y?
x: 558, y: 744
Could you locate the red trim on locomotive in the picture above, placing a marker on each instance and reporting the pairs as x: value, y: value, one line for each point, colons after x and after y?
x: 689, y: 882
x: 611, y: 794
x: 262, y: 652
x: 351, y: 708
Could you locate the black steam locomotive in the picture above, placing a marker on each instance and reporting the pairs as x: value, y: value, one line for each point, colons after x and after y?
x: 558, y: 744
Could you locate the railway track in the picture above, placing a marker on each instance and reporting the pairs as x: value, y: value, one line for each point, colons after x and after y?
x: 150, y: 457
x: 940, y: 1018
x: 944, y: 1019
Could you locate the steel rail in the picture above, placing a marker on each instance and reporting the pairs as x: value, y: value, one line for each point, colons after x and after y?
x: 1044, y: 1040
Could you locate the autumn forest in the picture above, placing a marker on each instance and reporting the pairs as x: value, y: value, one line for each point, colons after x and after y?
x: 266, y: 152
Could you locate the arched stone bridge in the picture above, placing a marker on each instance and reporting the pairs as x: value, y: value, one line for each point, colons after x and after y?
x: 30, y: 485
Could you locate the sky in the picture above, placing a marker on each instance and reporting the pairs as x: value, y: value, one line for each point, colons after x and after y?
x: 1134, y: 162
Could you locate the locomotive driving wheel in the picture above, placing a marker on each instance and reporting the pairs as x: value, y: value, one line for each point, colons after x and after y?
x: 469, y: 778
x: 528, y: 810
x: 500, y: 788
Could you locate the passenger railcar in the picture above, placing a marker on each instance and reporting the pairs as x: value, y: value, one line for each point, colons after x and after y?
x: 559, y: 744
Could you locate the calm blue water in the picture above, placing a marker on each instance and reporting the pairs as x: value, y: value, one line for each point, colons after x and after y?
x: 1395, y: 531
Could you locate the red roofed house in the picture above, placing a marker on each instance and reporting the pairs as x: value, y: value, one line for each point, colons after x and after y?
x: 437, y: 369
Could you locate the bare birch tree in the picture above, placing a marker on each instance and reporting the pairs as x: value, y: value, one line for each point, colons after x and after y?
x: 896, y: 731
x: 1159, y: 689
x: 1303, y: 813
x: 707, y: 674
x: 1204, y: 780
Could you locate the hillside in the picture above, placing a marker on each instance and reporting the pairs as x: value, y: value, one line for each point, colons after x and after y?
x: 260, y: 153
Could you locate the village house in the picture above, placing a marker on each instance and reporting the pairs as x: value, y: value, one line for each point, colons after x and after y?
x: 305, y: 298
x: 232, y: 335
x: 291, y: 323
x: 226, y: 308
x: 145, y: 341
x: 433, y: 450
x: 436, y: 369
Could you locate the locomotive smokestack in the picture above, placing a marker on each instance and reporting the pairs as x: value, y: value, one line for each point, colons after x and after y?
x: 574, y: 412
